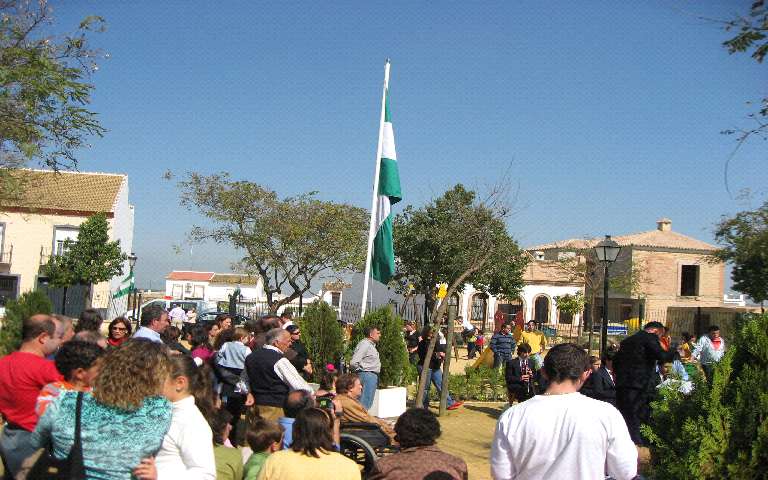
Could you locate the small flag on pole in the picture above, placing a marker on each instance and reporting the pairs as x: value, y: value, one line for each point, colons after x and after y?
x: 383, y: 258
x: 125, y: 287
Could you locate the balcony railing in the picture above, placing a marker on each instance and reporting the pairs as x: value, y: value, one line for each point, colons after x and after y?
x: 5, y: 258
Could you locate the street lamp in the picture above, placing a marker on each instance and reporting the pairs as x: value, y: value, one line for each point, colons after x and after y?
x: 607, y: 252
x: 131, y: 263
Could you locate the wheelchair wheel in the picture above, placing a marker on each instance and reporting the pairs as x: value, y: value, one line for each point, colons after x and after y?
x: 357, y: 449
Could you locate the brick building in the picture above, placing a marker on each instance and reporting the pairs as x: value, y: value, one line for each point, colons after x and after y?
x: 674, y: 267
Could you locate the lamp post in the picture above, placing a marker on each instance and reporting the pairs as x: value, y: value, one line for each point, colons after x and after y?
x: 131, y: 263
x: 607, y: 252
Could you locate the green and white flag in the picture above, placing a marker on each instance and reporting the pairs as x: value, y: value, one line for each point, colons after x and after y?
x: 383, y: 257
x: 125, y: 287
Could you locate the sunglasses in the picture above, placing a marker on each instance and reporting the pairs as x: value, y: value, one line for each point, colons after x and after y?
x: 119, y: 329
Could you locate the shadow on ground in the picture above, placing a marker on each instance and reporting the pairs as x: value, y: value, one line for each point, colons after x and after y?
x: 493, y: 410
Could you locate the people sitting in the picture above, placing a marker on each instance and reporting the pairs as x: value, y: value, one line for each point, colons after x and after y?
x: 349, y: 389
x: 229, y: 463
x: 265, y: 437
x: 312, y: 454
x: 417, y: 430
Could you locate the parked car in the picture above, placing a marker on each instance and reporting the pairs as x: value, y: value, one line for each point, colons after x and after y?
x: 237, y: 319
x: 200, y: 306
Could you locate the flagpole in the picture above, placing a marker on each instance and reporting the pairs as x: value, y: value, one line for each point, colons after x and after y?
x: 375, y: 203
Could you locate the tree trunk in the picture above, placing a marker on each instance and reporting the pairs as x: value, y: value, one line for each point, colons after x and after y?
x: 446, y: 365
x: 88, y: 299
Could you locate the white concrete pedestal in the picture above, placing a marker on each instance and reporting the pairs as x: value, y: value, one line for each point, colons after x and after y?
x: 389, y: 402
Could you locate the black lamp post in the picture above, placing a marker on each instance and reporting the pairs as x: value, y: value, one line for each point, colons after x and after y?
x: 131, y: 263
x: 607, y: 252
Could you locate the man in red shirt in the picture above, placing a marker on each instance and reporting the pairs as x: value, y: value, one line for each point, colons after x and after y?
x: 22, y: 375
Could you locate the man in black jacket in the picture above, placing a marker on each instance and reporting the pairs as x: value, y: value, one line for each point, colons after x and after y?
x: 634, y: 365
x: 523, y: 379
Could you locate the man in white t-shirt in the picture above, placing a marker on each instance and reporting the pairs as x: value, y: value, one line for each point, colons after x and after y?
x: 561, y: 433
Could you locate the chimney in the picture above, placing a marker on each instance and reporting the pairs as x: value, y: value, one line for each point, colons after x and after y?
x: 664, y: 225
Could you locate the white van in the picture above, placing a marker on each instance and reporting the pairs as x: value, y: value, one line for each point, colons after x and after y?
x: 201, y: 306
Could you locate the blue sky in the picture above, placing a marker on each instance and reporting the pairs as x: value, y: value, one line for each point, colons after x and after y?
x: 608, y: 112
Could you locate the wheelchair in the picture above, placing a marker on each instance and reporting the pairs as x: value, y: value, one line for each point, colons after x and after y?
x: 364, y: 443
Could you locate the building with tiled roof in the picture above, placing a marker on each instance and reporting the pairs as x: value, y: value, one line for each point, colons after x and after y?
x: 35, y: 224
x: 675, y: 269
x: 211, y: 286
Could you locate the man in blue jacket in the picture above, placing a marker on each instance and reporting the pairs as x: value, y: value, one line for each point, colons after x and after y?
x: 502, y: 345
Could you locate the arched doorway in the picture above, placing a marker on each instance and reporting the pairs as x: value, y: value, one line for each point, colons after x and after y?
x: 453, y: 306
x: 541, y: 309
x: 480, y: 310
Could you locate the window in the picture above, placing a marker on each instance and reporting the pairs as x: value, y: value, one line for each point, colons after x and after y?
x: 689, y: 280
x: 335, y: 299
x: 177, y: 291
x: 541, y: 309
x: 566, y: 318
x: 60, y: 235
x: 199, y: 291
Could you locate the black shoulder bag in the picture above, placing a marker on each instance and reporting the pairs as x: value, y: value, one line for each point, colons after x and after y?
x: 48, y: 467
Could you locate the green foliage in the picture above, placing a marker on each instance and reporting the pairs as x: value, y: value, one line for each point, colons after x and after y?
x: 482, y: 384
x: 745, y: 240
x: 91, y: 259
x: 570, y: 304
x: 16, y: 312
x: 44, y: 87
x: 458, y: 238
x: 322, y: 335
x: 721, y: 429
x: 288, y: 243
x: 392, y: 346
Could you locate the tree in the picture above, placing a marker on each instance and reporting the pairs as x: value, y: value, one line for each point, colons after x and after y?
x: 457, y: 239
x: 745, y: 240
x: 721, y: 429
x: 323, y: 336
x: 44, y: 87
x: 391, y: 346
x: 288, y: 242
x: 578, y: 262
x: 16, y: 312
x: 91, y: 259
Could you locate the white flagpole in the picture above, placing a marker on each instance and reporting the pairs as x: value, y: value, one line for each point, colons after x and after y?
x: 372, y: 228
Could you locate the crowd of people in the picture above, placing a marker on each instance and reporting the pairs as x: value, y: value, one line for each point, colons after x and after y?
x: 148, y: 407
x: 580, y: 416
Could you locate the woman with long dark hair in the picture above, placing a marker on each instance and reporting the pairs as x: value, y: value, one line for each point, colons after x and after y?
x: 312, y: 454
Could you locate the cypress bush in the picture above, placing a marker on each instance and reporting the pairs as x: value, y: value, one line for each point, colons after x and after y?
x: 16, y: 312
x: 395, y: 367
x: 721, y: 429
x: 322, y: 335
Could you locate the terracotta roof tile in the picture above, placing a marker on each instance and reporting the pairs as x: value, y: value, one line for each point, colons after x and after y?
x: 233, y: 278
x: 192, y: 276
x: 72, y: 191
x: 652, y: 239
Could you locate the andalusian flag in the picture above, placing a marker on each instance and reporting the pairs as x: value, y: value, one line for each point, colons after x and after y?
x: 125, y: 287
x: 383, y: 258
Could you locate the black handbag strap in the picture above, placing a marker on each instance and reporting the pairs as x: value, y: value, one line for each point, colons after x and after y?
x: 76, y: 454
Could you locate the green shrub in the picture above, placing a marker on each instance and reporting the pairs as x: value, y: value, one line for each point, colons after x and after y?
x: 322, y: 335
x: 392, y: 347
x: 721, y: 429
x: 16, y: 312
